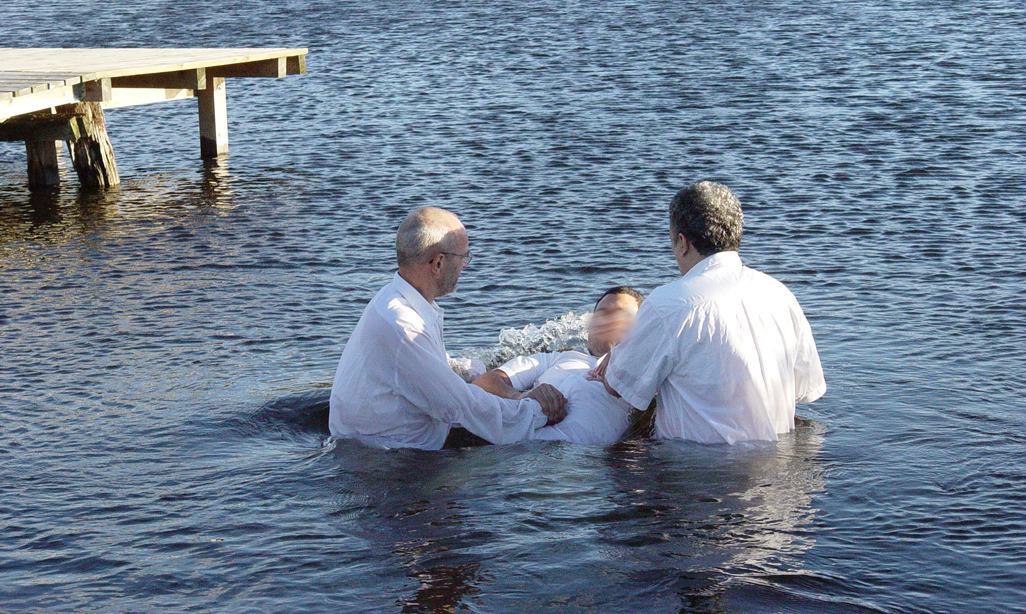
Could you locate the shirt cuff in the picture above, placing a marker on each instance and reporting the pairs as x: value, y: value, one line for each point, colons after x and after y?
x: 540, y: 419
x: 625, y: 392
x: 514, y: 380
x: 812, y: 395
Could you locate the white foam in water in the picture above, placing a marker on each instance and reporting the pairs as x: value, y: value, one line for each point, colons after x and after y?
x: 556, y: 335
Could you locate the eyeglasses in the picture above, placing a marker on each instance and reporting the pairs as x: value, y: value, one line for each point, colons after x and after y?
x: 467, y: 256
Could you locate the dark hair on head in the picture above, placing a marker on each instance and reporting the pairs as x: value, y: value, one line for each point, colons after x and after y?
x: 709, y: 216
x: 631, y: 292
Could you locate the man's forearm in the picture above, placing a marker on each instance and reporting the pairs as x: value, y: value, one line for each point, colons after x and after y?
x: 497, y: 383
x: 552, y: 401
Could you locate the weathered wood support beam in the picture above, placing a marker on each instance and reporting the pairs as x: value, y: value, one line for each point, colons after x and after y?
x: 135, y: 96
x: 43, y: 164
x: 91, y: 152
x: 173, y: 80
x: 296, y: 65
x: 39, y: 126
x: 274, y: 68
x: 213, y: 118
x: 82, y: 126
x: 94, y: 91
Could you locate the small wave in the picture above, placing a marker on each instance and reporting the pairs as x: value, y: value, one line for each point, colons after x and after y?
x: 300, y: 412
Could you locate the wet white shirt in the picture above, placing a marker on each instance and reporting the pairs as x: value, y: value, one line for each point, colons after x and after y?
x: 394, y: 386
x: 593, y: 417
x: 727, y: 349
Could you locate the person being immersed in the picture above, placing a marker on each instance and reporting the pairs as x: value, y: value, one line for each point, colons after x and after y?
x: 593, y: 416
x: 727, y: 349
x: 394, y: 386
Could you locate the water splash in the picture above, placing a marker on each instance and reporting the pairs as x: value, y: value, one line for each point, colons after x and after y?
x: 562, y: 333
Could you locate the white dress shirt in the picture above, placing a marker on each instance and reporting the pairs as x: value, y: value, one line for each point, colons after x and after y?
x: 729, y: 351
x: 394, y: 386
x: 594, y: 416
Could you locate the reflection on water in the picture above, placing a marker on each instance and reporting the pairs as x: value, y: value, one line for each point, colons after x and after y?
x: 79, y: 225
x: 442, y: 588
x: 680, y: 526
x: 217, y: 182
x: 62, y: 214
x: 716, y: 521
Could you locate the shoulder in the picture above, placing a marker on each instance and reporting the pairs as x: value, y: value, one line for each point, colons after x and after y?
x: 668, y: 296
x: 767, y: 285
x: 390, y: 306
x: 674, y: 300
x: 774, y: 296
x: 526, y: 361
x: 663, y: 294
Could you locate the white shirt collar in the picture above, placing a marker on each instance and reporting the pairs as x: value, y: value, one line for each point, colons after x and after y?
x: 430, y: 312
x: 719, y: 259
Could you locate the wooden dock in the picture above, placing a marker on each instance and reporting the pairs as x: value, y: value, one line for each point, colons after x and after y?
x: 52, y: 95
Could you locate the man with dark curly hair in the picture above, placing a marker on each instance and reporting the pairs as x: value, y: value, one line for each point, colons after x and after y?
x: 725, y: 350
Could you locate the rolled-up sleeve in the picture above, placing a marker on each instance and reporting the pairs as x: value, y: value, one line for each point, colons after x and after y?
x: 809, y: 383
x: 425, y: 379
x: 524, y: 371
x: 638, y: 366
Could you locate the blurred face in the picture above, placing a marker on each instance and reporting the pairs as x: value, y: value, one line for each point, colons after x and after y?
x: 453, y: 265
x: 610, y: 323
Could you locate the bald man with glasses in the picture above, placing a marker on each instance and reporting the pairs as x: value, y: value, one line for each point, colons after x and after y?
x: 394, y: 386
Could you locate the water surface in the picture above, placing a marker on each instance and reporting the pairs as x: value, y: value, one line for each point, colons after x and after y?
x: 166, y: 344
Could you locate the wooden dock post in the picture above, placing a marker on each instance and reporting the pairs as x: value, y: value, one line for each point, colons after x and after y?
x: 60, y: 94
x: 213, y: 118
x: 91, y: 152
x: 82, y: 127
x: 43, y: 164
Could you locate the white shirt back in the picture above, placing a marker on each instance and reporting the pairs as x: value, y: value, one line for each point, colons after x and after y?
x: 594, y: 417
x: 729, y: 351
x: 394, y: 386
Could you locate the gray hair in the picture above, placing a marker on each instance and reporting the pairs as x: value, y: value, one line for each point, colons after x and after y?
x: 422, y: 234
x: 709, y: 216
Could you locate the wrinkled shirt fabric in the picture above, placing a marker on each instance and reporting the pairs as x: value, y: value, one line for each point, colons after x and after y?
x: 594, y: 417
x: 726, y: 351
x: 394, y: 386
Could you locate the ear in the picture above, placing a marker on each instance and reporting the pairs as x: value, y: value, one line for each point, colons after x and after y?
x: 682, y: 244
x: 436, y: 263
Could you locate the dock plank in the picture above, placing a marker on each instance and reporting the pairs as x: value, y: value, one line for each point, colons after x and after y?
x: 49, y: 94
x: 119, y: 62
x: 45, y: 75
x: 19, y: 84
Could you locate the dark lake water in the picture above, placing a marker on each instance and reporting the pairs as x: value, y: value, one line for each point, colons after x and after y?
x: 166, y: 345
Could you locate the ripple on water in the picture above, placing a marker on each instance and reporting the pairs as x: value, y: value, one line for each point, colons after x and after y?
x: 156, y: 456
